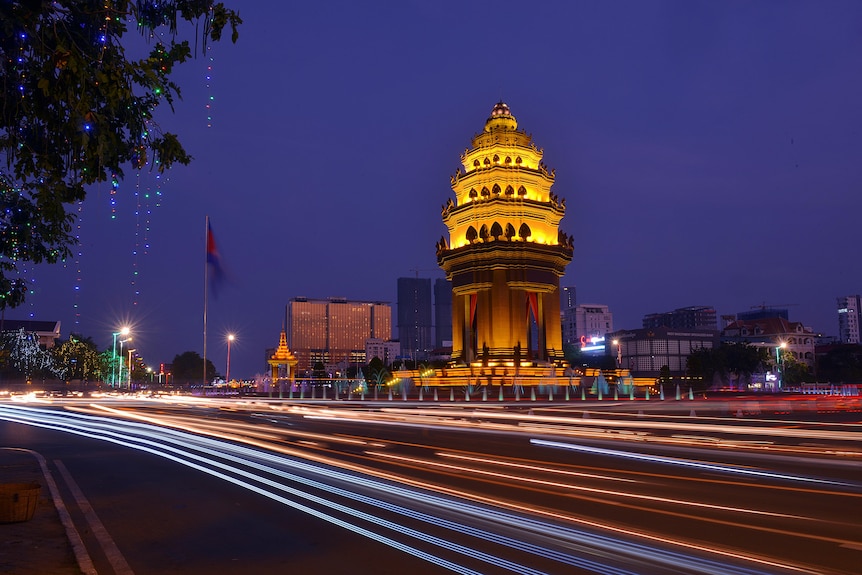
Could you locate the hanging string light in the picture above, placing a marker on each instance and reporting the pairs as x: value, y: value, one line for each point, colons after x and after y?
x: 210, y: 99
x: 76, y: 304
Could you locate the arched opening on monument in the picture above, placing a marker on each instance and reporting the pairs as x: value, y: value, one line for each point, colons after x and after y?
x: 471, y: 234
x: 510, y: 231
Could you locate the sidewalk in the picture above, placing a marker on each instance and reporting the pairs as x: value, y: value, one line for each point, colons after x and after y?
x: 40, y: 545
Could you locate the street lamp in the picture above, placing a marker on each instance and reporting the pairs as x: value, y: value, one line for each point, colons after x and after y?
x: 779, y: 363
x: 120, y: 362
x: 124, y: 331
x: 130, y: 369
x: 619, y: 353
x: 230, y: 338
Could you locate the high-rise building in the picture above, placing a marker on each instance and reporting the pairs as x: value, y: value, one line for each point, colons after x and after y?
x: 414, y: 317
x: 568, y: 297
x: 692, y: 317
x: 849, y: 319
x: 334, y: 330
x: 505, y: 253
x: 569, y: 324
x: 442, y: 313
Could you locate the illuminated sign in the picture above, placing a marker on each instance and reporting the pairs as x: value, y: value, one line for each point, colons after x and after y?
x: 593, y: 343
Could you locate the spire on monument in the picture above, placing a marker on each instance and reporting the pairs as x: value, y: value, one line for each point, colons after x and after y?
x: 501, y: 117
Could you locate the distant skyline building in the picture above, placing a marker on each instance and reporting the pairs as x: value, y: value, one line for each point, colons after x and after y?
x: 568, y: 297
x: 569, y: 325
x: 646, y: 351
x: 442, y: 313
x: 414, y: 317
x: 335, y: 330
x: 585, y: 325
x: 692, y: 317
x: 849, y: 319
x: 774, y: 332
x: 384, y: 350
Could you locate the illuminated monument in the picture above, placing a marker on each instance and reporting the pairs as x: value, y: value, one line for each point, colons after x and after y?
x: 283, y: 364
x: 505, y: 254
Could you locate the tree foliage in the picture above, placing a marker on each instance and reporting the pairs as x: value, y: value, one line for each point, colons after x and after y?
x: 188, y: 367
x: 793, y: 371
x: 79, y: 358
x: 376, y: 372
x: 318, y: 371
x: 75, y: 110
x: 728, y: 361
x: 664, y: 374
x: 841, y: 364
x: 25, y: 355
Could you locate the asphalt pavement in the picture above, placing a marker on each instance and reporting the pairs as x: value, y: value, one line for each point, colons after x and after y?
x: 42, y: 544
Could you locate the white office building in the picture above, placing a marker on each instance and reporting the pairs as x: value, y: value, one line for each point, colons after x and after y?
x: 586, y: 324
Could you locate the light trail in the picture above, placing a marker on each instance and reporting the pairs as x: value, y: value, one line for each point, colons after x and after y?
x: 187, y: 449
x: 159, y: 449
x: 685, y: 462
x: 216, y: 428
x: 543, y: 469
x: 852, y: 433
x: 563, y: 426
x: 583, y: 488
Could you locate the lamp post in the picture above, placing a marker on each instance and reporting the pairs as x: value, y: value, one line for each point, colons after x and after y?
x: 779, y: 363
x: 619, y: 353
x: 230, y: 338
x: 130, y: 369
x: 120, y: 362
x: 124, y: 331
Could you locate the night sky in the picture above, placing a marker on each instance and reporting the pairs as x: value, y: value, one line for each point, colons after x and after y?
x: 710, y: 153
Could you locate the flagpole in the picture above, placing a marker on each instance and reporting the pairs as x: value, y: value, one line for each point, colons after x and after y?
x: 206, y: 291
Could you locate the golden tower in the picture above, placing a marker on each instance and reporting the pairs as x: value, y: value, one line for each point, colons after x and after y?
x: 505, y: 254
x: 283, y: 363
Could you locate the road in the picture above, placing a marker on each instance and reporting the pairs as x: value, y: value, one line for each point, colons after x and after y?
x: 191, y: 485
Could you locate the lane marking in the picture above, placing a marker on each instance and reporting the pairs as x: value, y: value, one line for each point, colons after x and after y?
x: 85, y: 563
x: 112, y: 552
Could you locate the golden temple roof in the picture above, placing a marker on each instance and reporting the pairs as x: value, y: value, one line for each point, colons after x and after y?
x: 282, y: 354
x: 501, y: 117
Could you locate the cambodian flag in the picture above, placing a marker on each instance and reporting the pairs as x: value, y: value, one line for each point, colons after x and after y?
x: 216, y: 272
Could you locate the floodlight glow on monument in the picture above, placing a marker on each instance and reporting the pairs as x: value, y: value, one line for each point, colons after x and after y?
x: 505, y: 253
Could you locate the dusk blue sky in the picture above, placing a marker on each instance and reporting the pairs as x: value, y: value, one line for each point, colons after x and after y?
x: 710, y: 153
